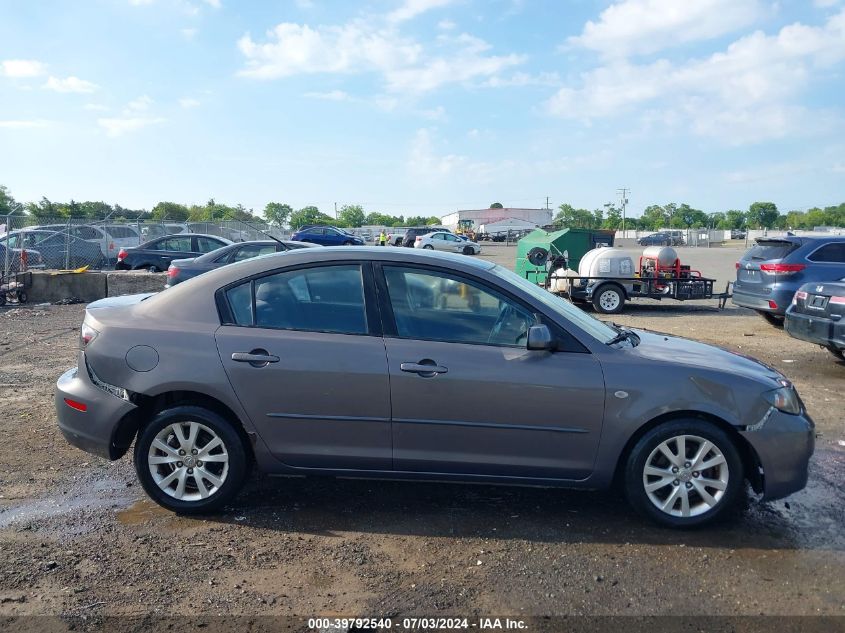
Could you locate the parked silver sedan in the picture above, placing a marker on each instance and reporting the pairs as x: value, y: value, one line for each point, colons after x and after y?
x: 449, y: 242
x: 398, y: 363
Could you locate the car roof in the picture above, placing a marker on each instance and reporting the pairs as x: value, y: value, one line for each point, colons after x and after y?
x: 227, y: 241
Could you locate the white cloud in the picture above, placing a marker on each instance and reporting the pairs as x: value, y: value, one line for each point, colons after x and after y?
x: 826, y: 4
x: 305, y: 4
x: 70, y: 84
x: 141, y: 104
x: 446, y: 25
x: 434, y: 114
x: 214, y: 4
x: 188, y: 33
x: 22, y: 68
x: 187, y: 103
x: 742, y: 94
x: 21, y: 124
x: 428, y: 165
x: 115, y: 127
x: 520, y: 79
x: 138, y: 3
x: 96, y: 107
x: 647, y: 26
x: 332, y: 95
x: 412, y: 8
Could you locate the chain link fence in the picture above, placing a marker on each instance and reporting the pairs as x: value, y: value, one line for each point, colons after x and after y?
x: 28, y: 243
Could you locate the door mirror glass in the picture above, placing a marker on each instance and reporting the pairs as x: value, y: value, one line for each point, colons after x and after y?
x: 539, y: 338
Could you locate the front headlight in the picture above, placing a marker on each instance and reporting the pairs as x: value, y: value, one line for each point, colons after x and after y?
x: 784, y: 399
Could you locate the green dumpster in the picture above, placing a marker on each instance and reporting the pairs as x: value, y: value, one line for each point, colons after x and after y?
x: 576, y: 241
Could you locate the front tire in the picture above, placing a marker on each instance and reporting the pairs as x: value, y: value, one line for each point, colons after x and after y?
x: 469, y: 250
x: 609, y: 299
x: 838, y: 353
x: 190, y: 460
x: 684, y: 473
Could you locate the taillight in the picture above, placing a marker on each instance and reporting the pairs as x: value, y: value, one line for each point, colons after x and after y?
x: 121, y: 255
x: 782, y: 268
x: 74, y: 404
x: 172, y: 272
x: 419, y: 238
x: 773, y: 305
x: 86, y: 335
x: 799, y: 295
x: 737, y: 265
x: 837, y: 300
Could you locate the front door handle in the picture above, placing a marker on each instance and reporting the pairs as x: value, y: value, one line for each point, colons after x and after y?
x: 256, y: 358
x: 426, y: 368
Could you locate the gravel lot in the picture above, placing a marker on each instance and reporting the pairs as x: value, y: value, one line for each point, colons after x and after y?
x: 79, y: 539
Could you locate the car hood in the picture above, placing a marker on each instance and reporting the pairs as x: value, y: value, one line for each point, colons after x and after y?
x: 681, y: 351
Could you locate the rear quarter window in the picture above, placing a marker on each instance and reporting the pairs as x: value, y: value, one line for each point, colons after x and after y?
x: 764, y: 251
x: 830, y: 253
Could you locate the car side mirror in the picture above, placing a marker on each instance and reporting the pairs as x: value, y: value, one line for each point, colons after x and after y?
x: 540, y: 338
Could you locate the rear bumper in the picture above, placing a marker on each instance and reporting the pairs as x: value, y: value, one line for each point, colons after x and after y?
x: 784, y: 445
x: 745, y: 299
x: 92, y: 430
x: 819, y: 330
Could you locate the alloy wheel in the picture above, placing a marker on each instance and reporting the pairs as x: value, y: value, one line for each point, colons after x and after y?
x: 188, y: 461
x: 686, y: 476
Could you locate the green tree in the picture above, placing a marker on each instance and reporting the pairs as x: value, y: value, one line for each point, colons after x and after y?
x: 277, y: 213
x: 497, y: 205
x: 352, y: 215
x: 734, y: 219
x: 762, y: 215
x: 654, y: 217
x: 172, y: 211
x: 308, y: 215
x: 613, y: 217
x: 8, y: 205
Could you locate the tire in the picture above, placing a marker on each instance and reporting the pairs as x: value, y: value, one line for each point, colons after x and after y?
x: 838, y: 353
x: 609, y: 299
x: 22, y: 297
x: 429, y: 247
x: 726, y: 474
x: 230, y: 473
x: 469, y: 250
x: 2, y: 299
x: 153, y: 269
x: 347, y: 243
x: 773, y: 319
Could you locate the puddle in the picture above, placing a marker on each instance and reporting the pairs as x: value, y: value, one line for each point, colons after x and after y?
x: 142, y: 511
x: 85, y: 496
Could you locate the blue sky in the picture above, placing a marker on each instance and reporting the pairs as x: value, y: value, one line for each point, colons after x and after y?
x: 424, y: 106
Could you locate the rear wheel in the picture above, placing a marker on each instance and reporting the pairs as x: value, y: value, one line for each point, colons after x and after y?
x: 609, y: 299
x: 839, y: 353
x: 190, y: 460
x: 347, y: 243
x: 22, y: 297
x: 773, y: 319
x: 153, y: 269
x: 429, y: 247
x: 684, y: 473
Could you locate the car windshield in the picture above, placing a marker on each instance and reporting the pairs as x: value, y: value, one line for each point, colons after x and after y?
x: 597, y: 329
x: 771, y: 249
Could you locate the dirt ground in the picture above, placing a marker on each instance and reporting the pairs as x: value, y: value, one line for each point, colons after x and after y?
x: 79, y: 539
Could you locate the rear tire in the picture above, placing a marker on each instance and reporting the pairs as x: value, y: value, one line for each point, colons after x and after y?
x: 153, y: 269
x: 838, y: 353
x: 22, y: 297
x: 679, y: 492
x: 429, y: 247
x: 609, y: 299
x: 773, y: 319
x: 176, y: 441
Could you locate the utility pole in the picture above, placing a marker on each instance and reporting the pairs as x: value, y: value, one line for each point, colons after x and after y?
x: 335, y: 210
x: 623, y: 193
x: 547, y: 202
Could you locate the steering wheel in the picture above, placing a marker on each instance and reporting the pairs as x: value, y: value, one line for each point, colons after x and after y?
x: 506, y: 313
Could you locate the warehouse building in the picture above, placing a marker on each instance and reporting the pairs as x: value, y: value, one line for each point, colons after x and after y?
x: 508, y: 215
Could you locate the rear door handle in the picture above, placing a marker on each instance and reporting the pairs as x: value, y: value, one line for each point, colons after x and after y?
x: 256, y: 358
x: 425, y: 368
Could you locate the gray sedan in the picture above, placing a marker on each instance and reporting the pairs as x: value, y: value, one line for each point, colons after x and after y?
x: 183, y: 269
x: 396, y: 363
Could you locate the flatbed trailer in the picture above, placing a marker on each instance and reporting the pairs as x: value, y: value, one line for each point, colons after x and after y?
x: 608, y: 294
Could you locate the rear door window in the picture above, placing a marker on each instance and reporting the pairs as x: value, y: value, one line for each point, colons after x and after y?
x: 206, y: 245
x: 121, y: 232
x: 317, y: 299
x: 830, y: 253
x: 254, y: 250
x: 770, y: 249
x: 177, y: 244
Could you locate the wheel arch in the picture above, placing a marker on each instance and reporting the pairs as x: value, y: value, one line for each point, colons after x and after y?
x: 148, y: 406
x: 750, y: 461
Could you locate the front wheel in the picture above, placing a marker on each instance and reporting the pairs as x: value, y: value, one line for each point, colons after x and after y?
x: 609, y: 299
x: 153, y: 269
x: 839, y: 353
x: 469, y: 250
x: 190, y: 460
x: 684, y: 473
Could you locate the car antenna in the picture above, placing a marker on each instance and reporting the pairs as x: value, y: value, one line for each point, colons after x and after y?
x: 254, y: 228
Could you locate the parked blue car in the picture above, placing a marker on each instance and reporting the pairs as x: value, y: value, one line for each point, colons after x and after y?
x: 326, y: 236
x: 769, y: 275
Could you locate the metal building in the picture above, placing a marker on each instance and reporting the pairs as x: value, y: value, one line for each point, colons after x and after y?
x: 536, y: 217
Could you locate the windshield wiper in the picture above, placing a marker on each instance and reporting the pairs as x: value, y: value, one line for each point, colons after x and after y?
x: 624, y: 335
